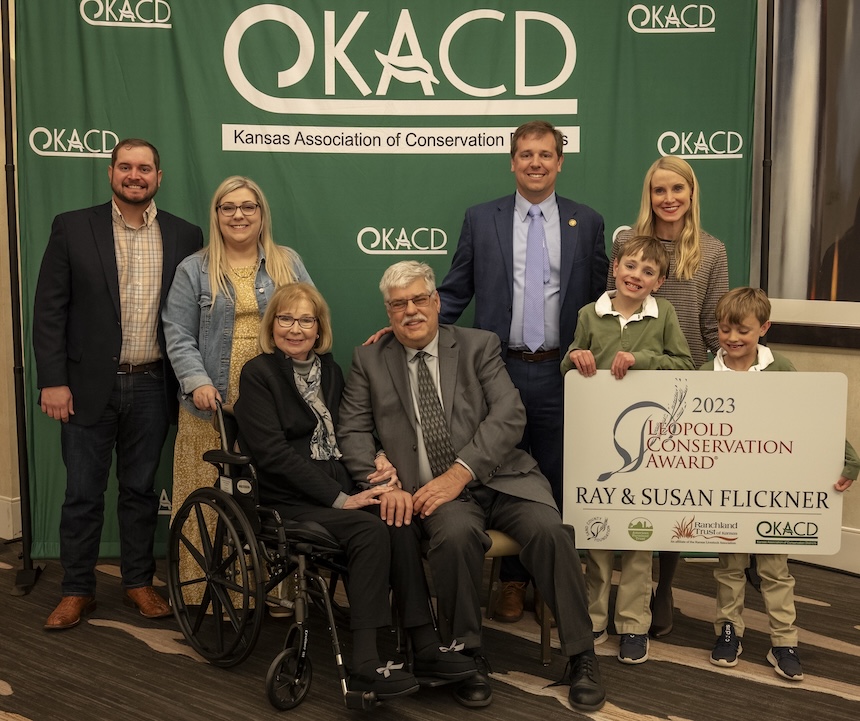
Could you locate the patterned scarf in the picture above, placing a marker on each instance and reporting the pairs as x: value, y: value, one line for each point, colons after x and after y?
x: 323, y: 443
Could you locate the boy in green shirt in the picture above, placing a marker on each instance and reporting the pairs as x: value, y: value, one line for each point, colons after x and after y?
x: 627, y: 328
x: 743, y: 317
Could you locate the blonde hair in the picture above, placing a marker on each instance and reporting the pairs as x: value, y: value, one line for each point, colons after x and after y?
x: 686, y: 247
x: 280, y: 260
x: 287, y: 295
x: 739, y: 303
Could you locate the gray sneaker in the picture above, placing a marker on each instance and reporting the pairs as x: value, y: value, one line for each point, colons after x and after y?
x: 633, y: 648
x: 786, y: 662
x: 727, y: 648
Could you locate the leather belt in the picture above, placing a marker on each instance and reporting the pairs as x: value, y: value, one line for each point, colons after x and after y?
x: 126, y: 368
x: 536, y: 357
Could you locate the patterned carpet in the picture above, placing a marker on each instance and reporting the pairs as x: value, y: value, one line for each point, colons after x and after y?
x: 118, y: 665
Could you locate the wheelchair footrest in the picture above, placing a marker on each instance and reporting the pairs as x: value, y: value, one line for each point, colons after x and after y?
x: 433, y: 682
x: 360, y: 700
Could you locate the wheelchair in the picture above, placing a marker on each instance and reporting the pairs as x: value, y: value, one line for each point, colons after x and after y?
x: 242, y: 552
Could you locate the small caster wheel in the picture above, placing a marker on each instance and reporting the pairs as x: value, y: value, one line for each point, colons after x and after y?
x: 288, y: 679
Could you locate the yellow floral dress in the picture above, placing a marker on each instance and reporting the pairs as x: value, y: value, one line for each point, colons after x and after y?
x: 196, y: 435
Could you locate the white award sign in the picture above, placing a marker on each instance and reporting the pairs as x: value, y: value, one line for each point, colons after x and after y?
x: 705, y: 461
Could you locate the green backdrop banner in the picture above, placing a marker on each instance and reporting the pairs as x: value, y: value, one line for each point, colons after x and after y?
x: 371, y: 127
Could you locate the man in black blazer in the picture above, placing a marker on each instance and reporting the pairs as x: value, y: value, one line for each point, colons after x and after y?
x: 484, y: 482
x: 490, y: 265
x: 103, y: 372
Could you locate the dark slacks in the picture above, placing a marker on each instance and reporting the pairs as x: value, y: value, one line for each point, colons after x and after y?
x: 135, y: 425
x: 541, y: 388
x: 457, y: 545
x: 377, y: 555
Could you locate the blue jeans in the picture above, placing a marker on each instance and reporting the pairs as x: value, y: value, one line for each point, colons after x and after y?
x: 135, y: 422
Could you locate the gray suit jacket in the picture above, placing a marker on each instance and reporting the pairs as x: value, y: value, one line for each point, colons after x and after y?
x: 482, y: 407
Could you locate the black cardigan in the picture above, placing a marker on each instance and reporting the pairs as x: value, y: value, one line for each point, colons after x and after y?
x: 275, y: 429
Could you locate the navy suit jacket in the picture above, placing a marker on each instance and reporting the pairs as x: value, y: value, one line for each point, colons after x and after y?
x: 77, y: 333
x: 483, y: 266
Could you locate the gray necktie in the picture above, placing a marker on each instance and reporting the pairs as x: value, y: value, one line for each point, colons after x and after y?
x: 437, y: 435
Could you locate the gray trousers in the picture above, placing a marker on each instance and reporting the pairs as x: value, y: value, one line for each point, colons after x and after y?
x: 458, y: 541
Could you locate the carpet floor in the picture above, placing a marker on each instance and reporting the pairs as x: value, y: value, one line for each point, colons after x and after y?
x: 118, y: 665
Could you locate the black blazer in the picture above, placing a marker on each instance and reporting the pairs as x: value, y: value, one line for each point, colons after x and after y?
x: 275, y: 428
x: 77, y: 336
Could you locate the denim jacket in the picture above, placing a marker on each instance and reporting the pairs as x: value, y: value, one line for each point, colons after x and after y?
x: 199, y: 334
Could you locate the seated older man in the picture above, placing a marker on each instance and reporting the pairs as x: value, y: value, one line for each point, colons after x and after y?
x: 440, y: 403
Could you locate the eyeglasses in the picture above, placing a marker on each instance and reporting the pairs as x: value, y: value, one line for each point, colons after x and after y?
x: 229, y: 209
x: 419, y: 301
x: 287, y: 321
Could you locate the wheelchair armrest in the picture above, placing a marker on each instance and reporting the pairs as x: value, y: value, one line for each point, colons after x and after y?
x: 311, y: 532
x: 218, y: 457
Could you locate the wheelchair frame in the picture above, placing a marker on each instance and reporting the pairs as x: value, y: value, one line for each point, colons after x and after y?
x: 245, y: 551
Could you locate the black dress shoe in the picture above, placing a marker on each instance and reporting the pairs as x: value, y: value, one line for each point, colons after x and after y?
x: 443, y: 663
x: 388, y: 681
x: 476, y: 691
x: 586, y: 691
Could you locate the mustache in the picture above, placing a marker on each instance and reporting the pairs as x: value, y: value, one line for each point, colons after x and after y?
x: 415, y: 316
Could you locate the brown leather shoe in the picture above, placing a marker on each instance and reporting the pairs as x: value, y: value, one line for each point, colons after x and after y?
x: 151, y: 605
x: 512, y: 596
x: 68, y: 612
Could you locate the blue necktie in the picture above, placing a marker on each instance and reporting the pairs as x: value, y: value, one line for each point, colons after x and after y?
x: 537, y: 275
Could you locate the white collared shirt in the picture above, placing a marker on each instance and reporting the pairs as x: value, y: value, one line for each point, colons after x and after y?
x: 603, y: 307
x: 763, y: 359
x: 432, y: 362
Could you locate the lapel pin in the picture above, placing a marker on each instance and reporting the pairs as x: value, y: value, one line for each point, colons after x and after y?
x: 571, y: 222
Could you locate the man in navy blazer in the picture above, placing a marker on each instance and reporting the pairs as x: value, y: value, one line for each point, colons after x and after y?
x: 103, y: 371
x: 489, y: 265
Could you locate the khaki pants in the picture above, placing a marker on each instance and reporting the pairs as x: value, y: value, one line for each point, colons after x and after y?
x: 633, y: 603
x: 777, y: 590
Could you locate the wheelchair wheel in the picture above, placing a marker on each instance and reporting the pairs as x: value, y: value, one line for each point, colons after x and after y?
x: 219, y: 603
x: 286, y: 683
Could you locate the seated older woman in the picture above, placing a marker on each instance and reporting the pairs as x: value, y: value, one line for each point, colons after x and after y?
x: 287, y: 411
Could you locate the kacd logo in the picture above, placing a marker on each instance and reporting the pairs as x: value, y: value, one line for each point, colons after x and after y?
x: 400, y: 241
x: 65, y: 142
x: 128, y: 13
x: 403, y: 61
x: 691, y: 18
x: 720, y: 144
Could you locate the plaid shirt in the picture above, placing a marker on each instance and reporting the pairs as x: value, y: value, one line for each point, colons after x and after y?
x: 139, y: 266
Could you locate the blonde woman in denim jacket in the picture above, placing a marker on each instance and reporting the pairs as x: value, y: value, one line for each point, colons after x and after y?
x: 212, y: 321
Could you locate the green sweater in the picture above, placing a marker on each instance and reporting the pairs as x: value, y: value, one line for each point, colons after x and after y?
x: 656, y: 343
x: 781, y: 363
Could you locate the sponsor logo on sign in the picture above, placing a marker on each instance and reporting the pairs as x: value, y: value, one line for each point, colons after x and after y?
x: 640, y: 529
x: 337, y: 57
x: 693, y: 531
x: 791, y: 533
x: 73, y: 143
x: 401, y: 241
x: 720, y: 144
x: 151, y: 14
x: 691, y: 18
x: 597, y: 528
